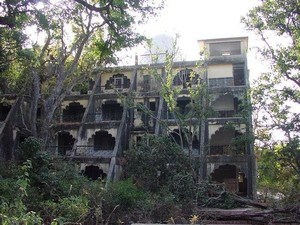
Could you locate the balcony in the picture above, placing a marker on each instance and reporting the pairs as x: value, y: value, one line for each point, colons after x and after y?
x: 91, y: 151
x: 226, y: 82
x: 220, y: 82
x: 225, y: 114
x: 80, y: 151
x: 227, y: 150
x: 72, y: 118
x: 219, y: 150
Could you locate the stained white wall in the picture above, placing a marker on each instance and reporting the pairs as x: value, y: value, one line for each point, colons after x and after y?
x: 220, y: 71
x: 224, y: 102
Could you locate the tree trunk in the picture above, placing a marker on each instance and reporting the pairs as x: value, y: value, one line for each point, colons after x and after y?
x: 34, y: 103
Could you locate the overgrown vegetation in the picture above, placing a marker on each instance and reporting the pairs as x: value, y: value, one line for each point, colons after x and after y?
x: 40, y: 188
x: 71, y: 39
x: 276, y: 95
x: 158, y: 184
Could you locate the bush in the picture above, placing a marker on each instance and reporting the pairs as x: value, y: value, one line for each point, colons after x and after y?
x: 214, y: 195
x: 29, y: 148
x: 72, y: 209
x: 183, y: 188
x: 155, y: 162
x: 123, y: 194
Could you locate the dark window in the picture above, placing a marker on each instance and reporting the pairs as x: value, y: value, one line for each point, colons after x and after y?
x: 146, y: 82
x: 185, y: 78
x: 65, y: 142
x: 152, y: 106
x: 103, y: 141
x: 239, y: 74
x: 73, y: 112
x: 138, y: 140
x: 117, y: 81
x: 112, y: 110
x: 183, y: 106
x: 225, y: 48
x: 4, y: 110
x: 94, y: 172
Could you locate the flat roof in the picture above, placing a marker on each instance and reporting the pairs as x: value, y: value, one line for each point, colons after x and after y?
x: 223, y: 39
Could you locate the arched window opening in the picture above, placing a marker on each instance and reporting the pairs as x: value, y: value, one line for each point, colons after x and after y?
x: 103, y: 141
x: 118, y: 81
x: 112, y: 110
x: 4, y: 110
x: 73, y: 112
x: 94, y: 172
x: 227, y: 141
x: 182, y: 139
x: 183, y: 105
x: 226, y: 174
x: 65, y: 142
x: 224, y: 106
x: 233, y: 180
x: 185, y: 78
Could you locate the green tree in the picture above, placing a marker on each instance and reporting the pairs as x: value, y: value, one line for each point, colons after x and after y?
x: 13, y: 13
x: 173, y: 84
x: 276, y: 94
x: 158, y: 162
x: 46, y: 189
x: 275, y: 178
x: 74, y: 38
x: 14, y: 17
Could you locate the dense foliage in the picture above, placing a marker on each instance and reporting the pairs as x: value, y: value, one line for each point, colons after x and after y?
x: 40, y: 188
x: 158, y: 186
x: 159, y: 158
x: 276, y: 97
x: 160, y: 167
x: 47, y: 47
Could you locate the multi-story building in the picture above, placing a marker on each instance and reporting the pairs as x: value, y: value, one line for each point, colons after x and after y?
x: 95, y: 126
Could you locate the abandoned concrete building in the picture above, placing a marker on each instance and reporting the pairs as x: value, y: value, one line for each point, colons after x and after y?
x: 94, y: 127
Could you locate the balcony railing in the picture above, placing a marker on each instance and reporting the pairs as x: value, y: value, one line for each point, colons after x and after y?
x: 221, y: 82
x: 111, y: 89
x: 91, y: 118
x: 89, y: 150
x: 219, y: 150
x: 103, y: 89
x: 94, y: 117
x: 81, y: 150
x: 72, y: 118
x: 223, y: 114
x: 59, y: 150
x: 226, y: 82
x: 226, y: 113
x: 227, y: 150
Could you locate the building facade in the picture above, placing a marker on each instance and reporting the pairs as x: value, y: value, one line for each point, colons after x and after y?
x: 95, y: 125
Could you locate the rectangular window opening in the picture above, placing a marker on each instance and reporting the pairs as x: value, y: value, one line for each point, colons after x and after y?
x: 152, y: 106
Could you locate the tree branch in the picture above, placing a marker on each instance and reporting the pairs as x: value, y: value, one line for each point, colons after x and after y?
x: 92, y: 7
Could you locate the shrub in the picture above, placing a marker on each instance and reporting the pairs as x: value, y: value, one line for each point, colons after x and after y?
x: 124, y: 194
x: 29, y: 148
x: 71, y: 209
x: 155, y: 162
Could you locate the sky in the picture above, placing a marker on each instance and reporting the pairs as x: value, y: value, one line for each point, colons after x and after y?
x: 194, y: 20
